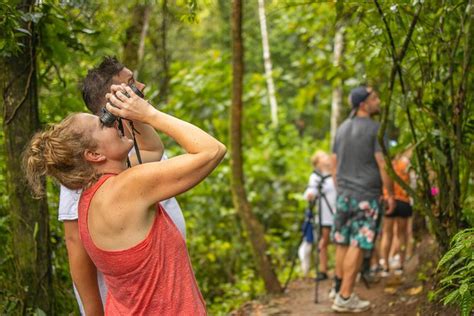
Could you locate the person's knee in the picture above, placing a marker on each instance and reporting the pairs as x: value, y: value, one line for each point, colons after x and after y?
x: 402, y: 227
x: 355, y: 251
x: 387, y: 233
x: 402, y: 224
x: 341, y: 249
x: 324, y: 242
x: 387, y: 225
x: 352, y: 259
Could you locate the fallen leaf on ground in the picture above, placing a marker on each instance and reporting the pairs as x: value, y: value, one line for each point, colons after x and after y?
x: 415, y: 290
x: 390, y: 290
x: 394, y: 281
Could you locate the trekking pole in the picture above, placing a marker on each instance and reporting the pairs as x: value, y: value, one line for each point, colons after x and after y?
x: 293, y: 263
x: 321, y: 199
x: 316, y: 261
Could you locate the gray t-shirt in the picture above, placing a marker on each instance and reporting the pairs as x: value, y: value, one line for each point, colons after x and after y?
x: 355, y: 146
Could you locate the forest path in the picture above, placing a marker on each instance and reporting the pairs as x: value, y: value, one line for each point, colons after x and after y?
x: 393, y: 295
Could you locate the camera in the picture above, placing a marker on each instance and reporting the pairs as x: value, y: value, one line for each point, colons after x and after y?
x: 107, y: 118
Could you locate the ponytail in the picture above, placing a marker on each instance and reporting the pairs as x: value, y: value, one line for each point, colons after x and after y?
x: 34, y: 163
x: 59, y: 152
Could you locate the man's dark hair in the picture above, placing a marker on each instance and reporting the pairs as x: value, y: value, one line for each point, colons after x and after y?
x: 98, y: 81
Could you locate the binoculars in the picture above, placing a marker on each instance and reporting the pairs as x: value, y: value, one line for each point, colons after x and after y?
x: 107, y: 118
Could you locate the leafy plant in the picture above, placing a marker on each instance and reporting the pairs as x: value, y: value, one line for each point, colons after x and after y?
x: 457, y: 268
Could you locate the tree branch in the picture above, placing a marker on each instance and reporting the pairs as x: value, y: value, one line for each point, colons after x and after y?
x: 396, y: 68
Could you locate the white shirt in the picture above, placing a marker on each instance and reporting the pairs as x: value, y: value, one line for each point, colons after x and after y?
x: 329, y: 190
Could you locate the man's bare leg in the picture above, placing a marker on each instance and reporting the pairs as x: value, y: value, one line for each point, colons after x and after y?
x: 340, y: 255
x: 351, y: 266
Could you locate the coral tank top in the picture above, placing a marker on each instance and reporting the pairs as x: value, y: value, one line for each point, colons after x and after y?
x: 400, y: 167
x: 154, y: 277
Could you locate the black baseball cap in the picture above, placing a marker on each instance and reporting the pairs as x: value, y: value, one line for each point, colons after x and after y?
x: 358, y: 95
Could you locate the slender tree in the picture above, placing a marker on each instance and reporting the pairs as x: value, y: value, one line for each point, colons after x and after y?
x: 252, y: 225
x: 336, y: 103
x: 267, y: 62
x: 29, y: 217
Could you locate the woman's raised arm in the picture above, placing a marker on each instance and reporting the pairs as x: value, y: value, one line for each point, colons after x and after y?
x: 157, y: 181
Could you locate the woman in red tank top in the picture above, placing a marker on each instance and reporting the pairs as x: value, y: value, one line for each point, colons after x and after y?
x: 124, y: 230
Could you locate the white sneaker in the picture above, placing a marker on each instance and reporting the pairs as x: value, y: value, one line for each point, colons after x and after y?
x: 398, y: 271
x: 352, y: 305
x: 384, y: 273
x: 394, y: 262
x: 332, y: 293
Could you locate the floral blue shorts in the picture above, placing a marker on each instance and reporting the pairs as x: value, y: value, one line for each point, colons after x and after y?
x: 356, y: 223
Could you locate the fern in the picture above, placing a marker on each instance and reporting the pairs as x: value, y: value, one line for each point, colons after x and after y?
x: 466, y: 304
x: 457, y: 271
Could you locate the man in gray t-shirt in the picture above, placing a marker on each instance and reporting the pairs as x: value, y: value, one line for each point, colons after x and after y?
x: 359, y: 177
x: 358, y: 174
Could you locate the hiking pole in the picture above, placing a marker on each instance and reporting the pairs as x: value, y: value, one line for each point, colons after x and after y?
x: 316, y: 260
x: 321, y: 199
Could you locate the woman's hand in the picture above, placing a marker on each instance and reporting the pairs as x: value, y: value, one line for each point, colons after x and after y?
x: 131, y: 108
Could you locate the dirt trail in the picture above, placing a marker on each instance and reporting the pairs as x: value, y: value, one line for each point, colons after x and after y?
x: 391, y: 296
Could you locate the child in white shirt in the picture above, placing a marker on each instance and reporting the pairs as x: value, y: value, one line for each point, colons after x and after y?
x: 321, y: 183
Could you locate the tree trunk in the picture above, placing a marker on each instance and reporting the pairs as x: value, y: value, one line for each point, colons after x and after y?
x: 29, y: 217
x: 267, y: 62
x: 134, y: 45
x: 336, y: 104
x: 252, y: 225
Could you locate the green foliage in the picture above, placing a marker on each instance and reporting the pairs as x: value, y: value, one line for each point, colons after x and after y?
x: 216, y: 239
x: 59, y: 30
x: 73, y: 36
x: 11, y: 30
x: 429, y: 104
x: 457, y: 272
